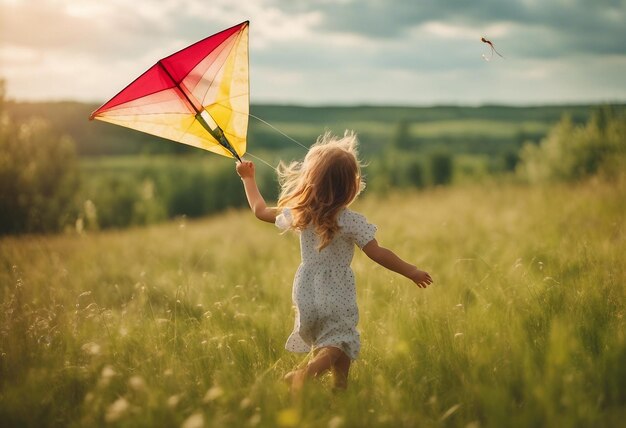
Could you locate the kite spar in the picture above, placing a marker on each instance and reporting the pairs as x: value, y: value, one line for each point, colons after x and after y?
x: 197, y: 96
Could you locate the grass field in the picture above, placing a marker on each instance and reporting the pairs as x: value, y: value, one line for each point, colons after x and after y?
x: 184, y: 323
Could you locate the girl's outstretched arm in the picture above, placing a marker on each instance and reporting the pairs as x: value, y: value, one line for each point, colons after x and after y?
x: 257, y: 204
x: 391, y: 261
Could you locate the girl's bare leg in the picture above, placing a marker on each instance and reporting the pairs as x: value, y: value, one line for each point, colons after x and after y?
x: 324, y: 360
x: 288, y: 378
x: 340, y: 371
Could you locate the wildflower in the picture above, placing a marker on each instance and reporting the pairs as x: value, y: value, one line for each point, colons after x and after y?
x: 108, y: 373
x: 288, y: 417
x: 91, y: 348
x: 213, y: 394
x: 116, y: 410
x: 173, y: 401
x: 194, y: 421
x: 254, y: 420
x: 245, y: 403
x: 335, y: 422
x: 137, y: 383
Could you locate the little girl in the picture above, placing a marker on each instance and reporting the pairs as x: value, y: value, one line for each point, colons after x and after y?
x: 313, y: 201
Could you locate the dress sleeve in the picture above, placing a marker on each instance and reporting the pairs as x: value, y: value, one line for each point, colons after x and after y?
x: 356, y: 228
x: 284, y: 219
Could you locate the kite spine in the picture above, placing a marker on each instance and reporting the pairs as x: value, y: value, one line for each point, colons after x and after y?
x: 216, y: 133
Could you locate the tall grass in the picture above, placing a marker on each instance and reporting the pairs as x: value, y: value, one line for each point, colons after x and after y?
x: 184, y: 323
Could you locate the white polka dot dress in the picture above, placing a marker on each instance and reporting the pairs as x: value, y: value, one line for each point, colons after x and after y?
x: 324, y: 291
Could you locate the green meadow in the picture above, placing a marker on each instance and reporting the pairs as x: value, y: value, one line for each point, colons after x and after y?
x: 183, y: 323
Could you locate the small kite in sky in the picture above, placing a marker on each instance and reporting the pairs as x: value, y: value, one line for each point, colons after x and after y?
x: 198, y: 96
x: 493, y: 49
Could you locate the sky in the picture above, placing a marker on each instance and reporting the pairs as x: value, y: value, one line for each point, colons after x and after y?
x: 329, y: 52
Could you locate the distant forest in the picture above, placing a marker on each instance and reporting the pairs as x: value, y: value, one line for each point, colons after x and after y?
x: 486, y: 130
x: 59, y: 171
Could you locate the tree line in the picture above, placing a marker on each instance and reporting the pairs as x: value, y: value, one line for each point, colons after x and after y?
x: 46, y: 187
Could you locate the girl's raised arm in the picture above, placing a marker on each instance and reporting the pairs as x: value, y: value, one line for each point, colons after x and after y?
x: 256, y: 201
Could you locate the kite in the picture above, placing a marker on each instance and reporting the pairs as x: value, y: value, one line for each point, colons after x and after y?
x: 198, y: 96
x: 493, y: 49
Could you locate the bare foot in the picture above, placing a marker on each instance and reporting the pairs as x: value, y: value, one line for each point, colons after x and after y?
x: 297, y: 382
x: 288, y: 378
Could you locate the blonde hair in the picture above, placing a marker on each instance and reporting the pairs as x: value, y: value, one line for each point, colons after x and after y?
x: 319, y: 187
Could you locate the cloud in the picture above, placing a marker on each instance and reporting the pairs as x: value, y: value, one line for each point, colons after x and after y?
x: 375, y: 51
x: 579, y: 26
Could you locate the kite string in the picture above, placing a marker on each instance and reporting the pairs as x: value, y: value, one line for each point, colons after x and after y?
x: 279, y: 131
x: 265, y: 162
